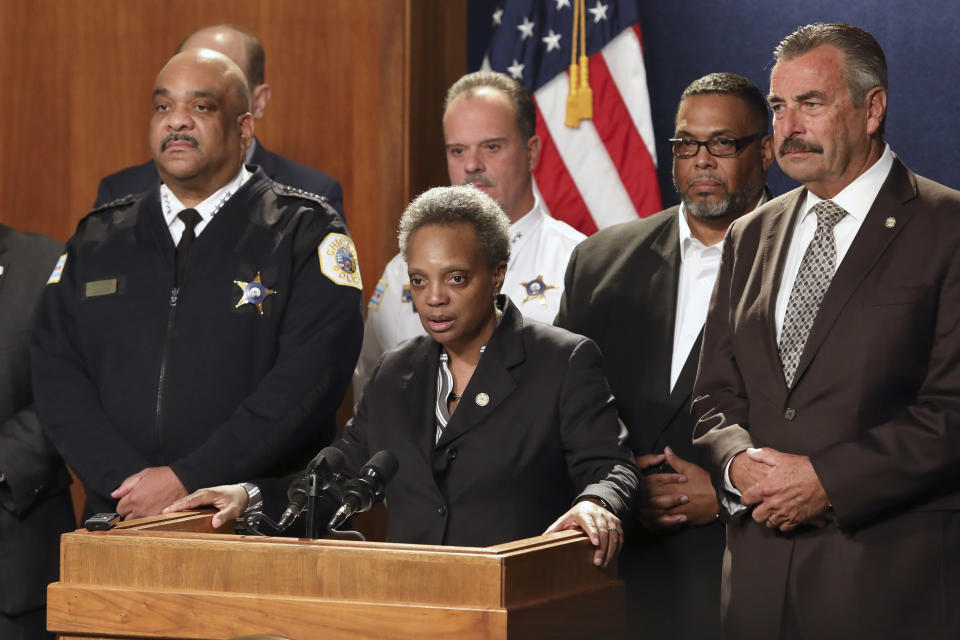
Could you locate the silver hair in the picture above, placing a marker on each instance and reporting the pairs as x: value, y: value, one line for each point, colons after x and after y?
x: 865, y: 66
x: 452, y: 205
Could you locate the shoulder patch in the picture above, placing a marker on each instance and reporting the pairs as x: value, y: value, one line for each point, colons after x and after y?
x: 377, y: 296
x: 57, y: 270
x: 338, y: 260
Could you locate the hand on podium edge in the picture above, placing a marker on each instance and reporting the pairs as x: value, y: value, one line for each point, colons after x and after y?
x: 230, y: 500
x: 601, y: 526
x: 146, y: 492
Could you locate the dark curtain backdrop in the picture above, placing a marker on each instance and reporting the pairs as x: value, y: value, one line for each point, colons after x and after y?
x: 685, y: 39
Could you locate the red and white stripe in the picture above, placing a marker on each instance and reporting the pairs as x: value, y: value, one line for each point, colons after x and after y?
x: 604, y: 172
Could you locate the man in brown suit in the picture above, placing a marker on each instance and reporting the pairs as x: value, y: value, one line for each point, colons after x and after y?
x: 828, y: 393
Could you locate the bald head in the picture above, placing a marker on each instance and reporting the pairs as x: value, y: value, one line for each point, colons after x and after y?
x: 219, y: 68
x: 243, y: 48
x: 240, y: 46
x: 201, y: 124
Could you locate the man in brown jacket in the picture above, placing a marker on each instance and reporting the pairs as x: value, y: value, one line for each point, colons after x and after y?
x: 828, y: 393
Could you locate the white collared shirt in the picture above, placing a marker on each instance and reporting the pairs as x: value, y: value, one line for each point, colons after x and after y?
x: 540, y: 251
x: 699, y: 265
x: 172, y: 206
x: 856, y: 199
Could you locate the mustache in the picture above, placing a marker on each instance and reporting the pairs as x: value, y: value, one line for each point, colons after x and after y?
x: 798, y: 144
x: 706, y: 176
x: 477, y: 179
x: 176, y: 137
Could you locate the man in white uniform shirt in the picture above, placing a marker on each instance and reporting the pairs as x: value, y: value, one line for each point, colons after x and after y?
x: 641, y: 291
x: 489, y: 129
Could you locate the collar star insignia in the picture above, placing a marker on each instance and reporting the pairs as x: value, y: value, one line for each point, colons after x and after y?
x: 253, y: 293
x: 536, y: 290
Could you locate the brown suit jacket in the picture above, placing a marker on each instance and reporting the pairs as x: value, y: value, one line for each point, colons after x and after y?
x: 876, y: 406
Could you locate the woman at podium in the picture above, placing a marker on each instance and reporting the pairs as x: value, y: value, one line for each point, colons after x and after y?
x: 503, y: 427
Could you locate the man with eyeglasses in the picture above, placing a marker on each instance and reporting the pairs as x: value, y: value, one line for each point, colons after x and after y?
x: 641, y: 291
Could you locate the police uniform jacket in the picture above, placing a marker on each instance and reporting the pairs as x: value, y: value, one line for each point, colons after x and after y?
x: 535, y: 430
x: 210, y: 379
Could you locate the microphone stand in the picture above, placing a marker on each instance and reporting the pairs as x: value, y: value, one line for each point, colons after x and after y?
x: 313, y: 505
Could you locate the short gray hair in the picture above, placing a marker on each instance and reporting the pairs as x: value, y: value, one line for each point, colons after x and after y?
x: 522, y: 102
x: 452, y: 205
x: 865, y: 66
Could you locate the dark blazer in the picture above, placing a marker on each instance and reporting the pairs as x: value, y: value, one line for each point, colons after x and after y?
x: 620, y: 290
x: 506, y: 469
x: 35, y: 505
x: 876, y: 406
x: 143, y: 177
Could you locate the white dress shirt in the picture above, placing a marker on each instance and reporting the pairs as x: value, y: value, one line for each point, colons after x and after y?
x: 699, y: 265
x: 856, y: 199
x: 538, y: 261
x: 172, y: 206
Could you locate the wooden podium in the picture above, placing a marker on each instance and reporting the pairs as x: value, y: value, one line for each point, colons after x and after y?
x: 174, y: 577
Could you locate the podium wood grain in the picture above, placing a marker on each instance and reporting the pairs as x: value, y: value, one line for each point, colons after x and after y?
x: 172, y: 577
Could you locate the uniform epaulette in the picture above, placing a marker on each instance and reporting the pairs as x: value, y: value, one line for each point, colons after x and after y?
x: 285, y: 190
x: 119, y: 202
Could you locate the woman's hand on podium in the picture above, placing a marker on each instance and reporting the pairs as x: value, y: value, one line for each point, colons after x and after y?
x: 600, y: 525
x: 229, y: 499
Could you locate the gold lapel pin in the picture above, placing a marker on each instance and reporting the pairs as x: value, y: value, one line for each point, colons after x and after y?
x: 482, y: 399
x: 890, y: 222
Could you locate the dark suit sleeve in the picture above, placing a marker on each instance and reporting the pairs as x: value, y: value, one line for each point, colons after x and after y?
x: 917, y: 452
x: 719, y: 397
x: 600, y: 466
x: 567, y: 316
x: 29, y: 462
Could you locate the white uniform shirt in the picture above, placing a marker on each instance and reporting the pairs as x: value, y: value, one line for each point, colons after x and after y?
x: 172, y: 206
x: 534, y: 281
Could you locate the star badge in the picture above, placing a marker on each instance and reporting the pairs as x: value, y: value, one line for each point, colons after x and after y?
x: 536, y: 290
x: 253, y: 293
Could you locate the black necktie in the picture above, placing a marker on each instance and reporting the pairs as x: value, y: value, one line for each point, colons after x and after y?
x: 190, y: 219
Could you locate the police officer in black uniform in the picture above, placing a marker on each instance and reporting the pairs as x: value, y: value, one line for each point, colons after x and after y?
x: 202, y: 332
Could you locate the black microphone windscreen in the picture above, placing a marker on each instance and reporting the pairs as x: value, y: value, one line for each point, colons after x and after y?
x: 332, y: 456
x: 384, y: 463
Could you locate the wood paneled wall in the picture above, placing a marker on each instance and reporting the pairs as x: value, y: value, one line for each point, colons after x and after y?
x: 357, y: 91
x: 357, y: 87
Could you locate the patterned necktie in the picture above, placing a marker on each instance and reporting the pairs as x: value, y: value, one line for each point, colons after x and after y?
x: 190, y: 219
x: 816, y: 270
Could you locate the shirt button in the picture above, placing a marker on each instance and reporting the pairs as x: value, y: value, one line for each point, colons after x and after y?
x: 789, y: 414
x: 442, y: 509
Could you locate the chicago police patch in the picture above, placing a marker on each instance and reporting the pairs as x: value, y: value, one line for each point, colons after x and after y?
x: 338, y: 260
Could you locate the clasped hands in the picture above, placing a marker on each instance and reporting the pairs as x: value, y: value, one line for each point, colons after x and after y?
x: 783, y: 488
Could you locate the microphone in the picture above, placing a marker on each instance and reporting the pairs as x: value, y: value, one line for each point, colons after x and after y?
x: 322, y: 469
x: 363, y: 491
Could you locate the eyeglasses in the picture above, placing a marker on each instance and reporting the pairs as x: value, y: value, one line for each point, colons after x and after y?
x: 717, y: 147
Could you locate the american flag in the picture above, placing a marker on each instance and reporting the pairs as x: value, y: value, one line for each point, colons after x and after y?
x: 605, y: 171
